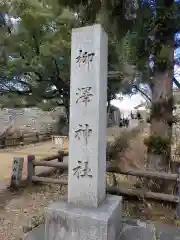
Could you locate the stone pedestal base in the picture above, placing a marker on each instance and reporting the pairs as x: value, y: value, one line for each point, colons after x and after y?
x: 67, y: 221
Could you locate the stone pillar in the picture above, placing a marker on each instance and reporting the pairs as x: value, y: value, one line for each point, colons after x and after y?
x: 88, y: 111
x: 89, y: 214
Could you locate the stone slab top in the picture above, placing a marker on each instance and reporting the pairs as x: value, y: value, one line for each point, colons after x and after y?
x: 101, y: 213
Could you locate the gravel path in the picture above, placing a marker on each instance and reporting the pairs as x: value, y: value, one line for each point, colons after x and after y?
x: 16, y: 216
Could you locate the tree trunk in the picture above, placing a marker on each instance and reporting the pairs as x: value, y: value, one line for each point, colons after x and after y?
x: 159, y: 145
x: 161, y: 120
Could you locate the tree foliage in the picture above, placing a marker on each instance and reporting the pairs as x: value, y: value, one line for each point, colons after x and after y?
x: 36, y: 59
x: 37, y: 52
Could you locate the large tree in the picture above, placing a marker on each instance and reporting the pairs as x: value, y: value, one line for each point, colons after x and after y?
x: 147, y: 33
x: 37, y: 58
x: 36, y: 63
x: 152, y: 47
x: 151, y: 40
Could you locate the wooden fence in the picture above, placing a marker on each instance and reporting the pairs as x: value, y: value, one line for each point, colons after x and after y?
x: 9, y: 141
x: 32, y: 163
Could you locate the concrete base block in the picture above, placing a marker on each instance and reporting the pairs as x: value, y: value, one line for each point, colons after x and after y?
x: 67, y: 221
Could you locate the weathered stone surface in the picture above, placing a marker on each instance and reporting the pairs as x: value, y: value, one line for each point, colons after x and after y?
x: 37, y: 233
x: 87, y: 137
x: 130, y: 231
x: 66, y: 221
x: 17, y: 168
x: 137, y: 230
x: 136, y: 233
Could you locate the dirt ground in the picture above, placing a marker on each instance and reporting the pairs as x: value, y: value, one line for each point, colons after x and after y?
x: 25, y: 208
x: 17, y: 208
x: 40, y: 150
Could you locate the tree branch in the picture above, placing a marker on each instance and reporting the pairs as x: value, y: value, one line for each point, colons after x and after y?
x: 143, y: 93
x: 58, y: 78
x: 176, y: 82
x: 26, y: 92
x: 36, y: 45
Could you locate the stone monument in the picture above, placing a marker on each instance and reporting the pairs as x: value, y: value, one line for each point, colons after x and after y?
x: 17, y: 169
x: 89, y: 214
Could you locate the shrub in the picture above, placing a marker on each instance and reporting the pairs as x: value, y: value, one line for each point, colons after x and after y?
x: 121, y: 143
x: 157, y: 145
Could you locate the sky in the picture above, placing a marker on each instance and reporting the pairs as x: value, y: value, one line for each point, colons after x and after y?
x: 128, y: 103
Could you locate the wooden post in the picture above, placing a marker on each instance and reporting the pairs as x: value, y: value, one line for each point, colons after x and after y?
x: 60, y: 159
x: 178, y: 194
x: 61, y: 154
x: 21, y: 139
x: 4, y: 142
x: 37, y: 136
x: 30, y: 168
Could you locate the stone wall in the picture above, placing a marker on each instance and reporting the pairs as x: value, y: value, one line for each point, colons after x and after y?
x: 29, y: 120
